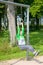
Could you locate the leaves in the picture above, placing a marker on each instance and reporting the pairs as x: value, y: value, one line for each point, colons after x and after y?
x: 36, y: 7
x: 2, y: 6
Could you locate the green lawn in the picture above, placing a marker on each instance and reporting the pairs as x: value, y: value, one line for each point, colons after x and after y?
x: 36, y: 40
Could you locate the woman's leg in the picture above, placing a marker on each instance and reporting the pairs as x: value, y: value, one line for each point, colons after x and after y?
x: 29, y: 48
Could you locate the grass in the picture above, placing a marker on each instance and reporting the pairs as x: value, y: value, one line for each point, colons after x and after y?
x: 36, y: 40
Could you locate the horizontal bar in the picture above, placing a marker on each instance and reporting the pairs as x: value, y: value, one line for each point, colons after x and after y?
x: 13, y: 3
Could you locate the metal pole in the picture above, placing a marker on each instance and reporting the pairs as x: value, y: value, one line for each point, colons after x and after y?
x: 21, y: 12
x: 27, y: 56
x: 13, y: 3
x: 27, y: 25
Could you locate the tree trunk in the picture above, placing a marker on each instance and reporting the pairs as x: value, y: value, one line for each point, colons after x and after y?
x: 11, y: 19
x: 5, y: 18
x: 0, y: 23
x: 37, y: 23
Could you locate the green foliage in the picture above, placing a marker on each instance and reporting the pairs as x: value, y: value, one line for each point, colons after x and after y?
x: 2, y: 9
x: 7, y: 52
x: 4, y: 40
x: 24, y: 1
x: 36, y: 7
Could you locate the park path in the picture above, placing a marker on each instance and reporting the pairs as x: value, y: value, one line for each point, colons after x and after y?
x: 34, y: 61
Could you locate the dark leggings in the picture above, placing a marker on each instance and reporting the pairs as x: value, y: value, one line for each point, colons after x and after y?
x: 27, y: 47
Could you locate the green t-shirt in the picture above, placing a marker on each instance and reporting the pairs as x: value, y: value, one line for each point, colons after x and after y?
x: 18, y: 32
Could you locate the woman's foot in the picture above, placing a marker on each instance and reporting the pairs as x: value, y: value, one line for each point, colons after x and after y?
x: 36, y: 53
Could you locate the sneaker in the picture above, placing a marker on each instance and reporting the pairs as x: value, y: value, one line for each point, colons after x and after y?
x: 36, y: 53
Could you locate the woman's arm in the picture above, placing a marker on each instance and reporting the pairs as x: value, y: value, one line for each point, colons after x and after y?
x: 22, y: 29
x: 18, y: 31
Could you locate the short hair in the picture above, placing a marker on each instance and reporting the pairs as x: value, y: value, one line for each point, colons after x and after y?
x: 22, y: 21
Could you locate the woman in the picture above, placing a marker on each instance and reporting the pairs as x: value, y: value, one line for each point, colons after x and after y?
x: 21, y: 40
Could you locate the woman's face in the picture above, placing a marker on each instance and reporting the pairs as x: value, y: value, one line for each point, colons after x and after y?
x: 17, y: 23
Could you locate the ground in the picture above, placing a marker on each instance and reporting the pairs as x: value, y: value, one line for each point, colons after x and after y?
x: 34, y: 61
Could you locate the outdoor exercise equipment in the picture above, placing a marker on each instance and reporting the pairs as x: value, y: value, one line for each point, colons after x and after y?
x: 21, y: 5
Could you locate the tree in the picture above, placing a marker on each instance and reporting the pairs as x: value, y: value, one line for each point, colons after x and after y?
x: 35, y: 7
x: 11, y: 19
x: 2, y: 6
x: 0, y: 23
x: 36, y: 10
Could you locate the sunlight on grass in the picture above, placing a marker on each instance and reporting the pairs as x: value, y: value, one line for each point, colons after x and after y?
x: 35, y: 33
